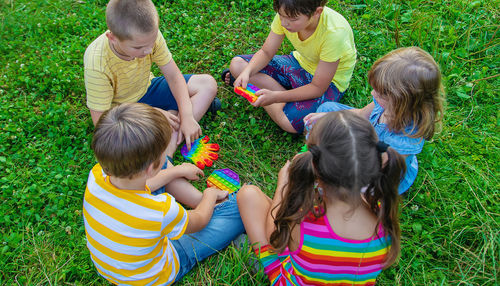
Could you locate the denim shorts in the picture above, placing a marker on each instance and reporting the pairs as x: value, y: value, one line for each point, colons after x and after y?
x: 159, y: 94
x: 286, y: 70
x: 224, y: 226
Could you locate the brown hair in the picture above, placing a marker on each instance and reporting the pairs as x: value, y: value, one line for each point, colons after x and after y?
x: 410, y: 80
x: 126, y: 17
x: 343, y: 156
x: 129, y: 137
x: 294, y: 8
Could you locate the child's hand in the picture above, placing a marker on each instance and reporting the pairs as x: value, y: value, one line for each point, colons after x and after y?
x: 242, y: 80
x: 311, y: 118
x: 283, y: 174
x: 190, y: 171
x: 190, y: 130
x: 172, y: 119
x: 219, y: 194
x: 265, y: 97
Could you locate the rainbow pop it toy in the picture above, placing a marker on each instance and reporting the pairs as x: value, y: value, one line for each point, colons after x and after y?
x: 201, y: 153
x: 224, y: 179
x: 248, y: 93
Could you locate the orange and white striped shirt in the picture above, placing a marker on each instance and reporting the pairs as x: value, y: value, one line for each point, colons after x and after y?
x: 128, y: 232
x: 110, y: 80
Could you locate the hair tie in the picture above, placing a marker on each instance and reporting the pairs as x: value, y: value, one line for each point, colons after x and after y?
x: 315, y: 151
x: 382, y: 146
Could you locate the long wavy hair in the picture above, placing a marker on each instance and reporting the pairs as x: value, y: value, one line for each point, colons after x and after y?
x: 410, y: 80
x: 343, y: 156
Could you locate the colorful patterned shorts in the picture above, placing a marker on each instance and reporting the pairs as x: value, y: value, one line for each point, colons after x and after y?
x: 286, y: 70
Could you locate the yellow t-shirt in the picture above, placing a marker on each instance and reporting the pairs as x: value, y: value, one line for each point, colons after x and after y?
x: 332, y: 40
x: 110, y: 80
x: 129, y: 232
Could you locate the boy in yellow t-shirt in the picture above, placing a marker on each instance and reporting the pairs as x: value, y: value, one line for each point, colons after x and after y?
x: 318, y: 71
x: 118, y: 69
x: 135, y: 236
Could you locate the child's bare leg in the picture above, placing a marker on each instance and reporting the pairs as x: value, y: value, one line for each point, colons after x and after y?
x: 254, y: 208
x: 276, y: 113
x: 202, y: 90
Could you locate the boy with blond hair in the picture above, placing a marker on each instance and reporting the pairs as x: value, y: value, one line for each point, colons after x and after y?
x: 118, y: 69
x: 135, y: 237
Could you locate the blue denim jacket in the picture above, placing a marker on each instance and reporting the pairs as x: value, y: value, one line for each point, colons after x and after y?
x: 400, y: 142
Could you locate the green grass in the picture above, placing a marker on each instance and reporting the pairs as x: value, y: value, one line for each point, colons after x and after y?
x: 449, y: 219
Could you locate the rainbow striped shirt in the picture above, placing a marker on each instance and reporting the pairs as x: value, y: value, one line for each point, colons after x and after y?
x: 324, y: 258
x: 129, y: 232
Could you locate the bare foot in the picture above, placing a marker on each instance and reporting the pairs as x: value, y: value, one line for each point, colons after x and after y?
x: 227, y: 77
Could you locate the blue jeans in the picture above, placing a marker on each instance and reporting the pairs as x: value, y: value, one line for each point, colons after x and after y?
x: 224, y: 226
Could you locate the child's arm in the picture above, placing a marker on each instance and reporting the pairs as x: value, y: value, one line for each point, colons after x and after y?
x: 201, y: 215
x: 95, y: 116
x: 321, y: 81
x: 278, y: 195
x: 260, y: 59
x: 165, y: 176
x: 189, y: 127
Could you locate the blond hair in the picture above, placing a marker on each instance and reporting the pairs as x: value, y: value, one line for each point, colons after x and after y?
x: 126, y: 17
x: 410, y: 80
x: 130, y: 137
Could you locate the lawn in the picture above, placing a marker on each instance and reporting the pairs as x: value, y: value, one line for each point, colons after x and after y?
x: 449, y: 218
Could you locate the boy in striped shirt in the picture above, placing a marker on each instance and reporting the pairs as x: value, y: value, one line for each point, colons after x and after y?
x: 117, y: 69
x: 135, y: 237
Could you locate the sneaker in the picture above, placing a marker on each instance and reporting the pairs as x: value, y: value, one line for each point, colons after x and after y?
x: 214, y: 106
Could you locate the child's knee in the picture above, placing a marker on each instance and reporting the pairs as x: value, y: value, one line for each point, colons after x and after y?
x: 237, y: 65
x: 202, y: 82
x: 248, y: 193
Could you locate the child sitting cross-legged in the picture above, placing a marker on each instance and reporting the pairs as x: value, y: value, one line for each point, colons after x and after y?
x: 138, y: 238
x: 117, y: 68
x: 320, y: 228
x: 318, y: 71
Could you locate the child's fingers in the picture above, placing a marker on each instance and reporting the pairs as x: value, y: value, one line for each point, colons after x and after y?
x: 199, y: 172
x: 307, y: 117
x: 180, y: 138
x: 237, y: 82
x: 256, y: 103
x: 174, y: 118
x: 222, y: 195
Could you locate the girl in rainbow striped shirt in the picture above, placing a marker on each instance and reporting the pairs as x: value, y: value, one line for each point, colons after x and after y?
x: 334, y: 216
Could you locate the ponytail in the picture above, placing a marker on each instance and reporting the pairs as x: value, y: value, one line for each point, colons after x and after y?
x: 383, y: 199
x: 297, y: 201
